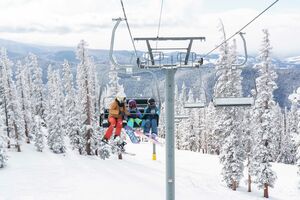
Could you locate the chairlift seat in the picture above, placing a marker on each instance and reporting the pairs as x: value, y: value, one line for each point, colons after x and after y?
x: 233, y: 101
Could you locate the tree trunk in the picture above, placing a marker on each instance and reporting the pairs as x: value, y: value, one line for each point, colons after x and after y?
x: 249, y: 183
x: 27, y: 133
x: 120, y: 156
x: 17, y: 138
x: 89, y: 119
x: 233, y: 185
x: 6, y: 122
x: 266, y: 190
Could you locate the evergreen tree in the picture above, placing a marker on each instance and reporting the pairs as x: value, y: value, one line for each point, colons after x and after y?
x: 209, y: 125
x: 286, y: 147
x: 38, y: 94
x: 113, y: 88
x: 13, y: 114
x: 54, y: 116
x: 263, y: 151
x: 85, y: 82
x: 72, y: 113
x: 228, y: 128
x: 39, y: 136
x: 162, y: 125
x: 3, y: 155
x: 23, y: 91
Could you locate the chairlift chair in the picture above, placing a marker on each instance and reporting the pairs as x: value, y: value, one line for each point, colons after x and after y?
x: 235, y: 101
x: 131, y: 71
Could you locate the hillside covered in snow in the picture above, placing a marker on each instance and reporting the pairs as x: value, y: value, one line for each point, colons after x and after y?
x: 32, y: 175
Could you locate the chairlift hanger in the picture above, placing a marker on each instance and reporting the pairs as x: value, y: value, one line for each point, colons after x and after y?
x: 129, y: 69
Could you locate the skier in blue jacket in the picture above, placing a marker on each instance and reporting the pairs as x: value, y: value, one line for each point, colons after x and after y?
x: 150, y: 116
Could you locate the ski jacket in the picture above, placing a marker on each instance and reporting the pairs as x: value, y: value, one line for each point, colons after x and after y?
x: 116, y: 111
x: 135, y: 113
x: 151, y: 113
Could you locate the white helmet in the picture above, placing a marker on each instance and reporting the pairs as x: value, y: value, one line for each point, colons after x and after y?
x: 121, y: 99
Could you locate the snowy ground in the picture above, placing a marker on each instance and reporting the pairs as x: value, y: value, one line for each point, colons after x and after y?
x: 31, y: 175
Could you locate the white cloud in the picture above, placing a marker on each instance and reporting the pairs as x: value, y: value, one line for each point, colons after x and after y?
x: 65, y: 22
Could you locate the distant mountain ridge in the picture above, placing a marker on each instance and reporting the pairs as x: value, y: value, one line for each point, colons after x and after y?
x: 288, y: 69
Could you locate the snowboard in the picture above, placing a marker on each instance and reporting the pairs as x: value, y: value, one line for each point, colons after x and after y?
x: 131, y: 134
x: 155, y: 141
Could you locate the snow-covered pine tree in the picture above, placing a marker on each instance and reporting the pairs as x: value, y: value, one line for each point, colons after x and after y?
x: 86, y: 84
x: 298, y: 158
x: 248, y: 142
x: 55, y: 139
x: 162, y: 125
x: 183, y: 128
x: 113, y: 88
x: 263, y: 151
x: 72, y: 114
x: 39, y: 135
x: 3, y: 155
x: 286, y: 147
x: 228, y: 118
x: 193, y: 134
x: 208, y: 126
x: 177, y: 113
x: 221, y: 89
x: 14, y: 117
x: 23, y: 91
x: 292, y: 121
x: 38, y: 94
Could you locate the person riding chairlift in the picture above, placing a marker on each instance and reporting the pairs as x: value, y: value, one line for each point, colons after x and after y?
x: 135, y: 115
x: 150, y: 116
x: 117, y: 112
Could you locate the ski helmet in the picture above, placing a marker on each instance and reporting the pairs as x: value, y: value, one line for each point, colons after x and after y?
x: 120, y: 99
x: 151, y: 101
x: 132, y: 103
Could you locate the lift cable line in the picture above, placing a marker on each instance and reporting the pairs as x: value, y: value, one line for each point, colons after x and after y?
x: 159, y: 21
x: 241, y: 28
x: 128, y: 27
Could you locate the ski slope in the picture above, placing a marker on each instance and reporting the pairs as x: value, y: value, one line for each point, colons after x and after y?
x: 31, y: 175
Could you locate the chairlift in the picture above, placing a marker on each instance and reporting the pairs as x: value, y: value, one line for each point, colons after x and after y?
x: 235, y: 101
x: 194, y: 105
x: 133, y: 72
x: 179, y: 117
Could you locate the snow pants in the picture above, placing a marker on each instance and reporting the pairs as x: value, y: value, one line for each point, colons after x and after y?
x: 131, y: 121
x: 114, y: 122
x: 150, y: 124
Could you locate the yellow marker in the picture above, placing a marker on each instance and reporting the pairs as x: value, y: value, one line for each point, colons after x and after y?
x: 154, y: 156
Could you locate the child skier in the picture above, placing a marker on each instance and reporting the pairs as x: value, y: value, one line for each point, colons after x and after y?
x: 135, y: 115
x: 151, y: 114
x: 117, y: 112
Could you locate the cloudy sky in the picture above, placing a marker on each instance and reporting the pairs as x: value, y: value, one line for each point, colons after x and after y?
x: 66, y: 22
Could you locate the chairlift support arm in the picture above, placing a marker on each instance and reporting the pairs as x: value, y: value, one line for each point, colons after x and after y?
x: 112, y: 41
x: 150, y: 49
x: 245, y: 50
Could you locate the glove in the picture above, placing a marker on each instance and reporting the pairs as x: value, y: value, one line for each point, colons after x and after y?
x: 122, y: 113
